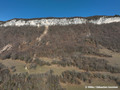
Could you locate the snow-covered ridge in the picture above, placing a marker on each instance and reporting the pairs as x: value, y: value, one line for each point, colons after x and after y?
x: 62, y: 21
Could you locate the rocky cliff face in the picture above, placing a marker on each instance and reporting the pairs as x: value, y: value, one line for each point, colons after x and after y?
x: 61, y: 21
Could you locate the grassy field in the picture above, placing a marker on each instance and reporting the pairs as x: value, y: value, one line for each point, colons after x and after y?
x: 49, y: 59
x: 57, y: 69
x: 113, y: 61
x: 19, y: 65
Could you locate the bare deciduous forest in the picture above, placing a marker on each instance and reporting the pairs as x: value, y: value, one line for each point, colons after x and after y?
x: 66, y: 55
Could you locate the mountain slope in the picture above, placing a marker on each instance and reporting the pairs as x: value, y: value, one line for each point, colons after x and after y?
x: 60, y: 52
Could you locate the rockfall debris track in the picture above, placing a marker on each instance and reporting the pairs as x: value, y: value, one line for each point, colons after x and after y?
x: 44, y: 33
x: 6, y: 48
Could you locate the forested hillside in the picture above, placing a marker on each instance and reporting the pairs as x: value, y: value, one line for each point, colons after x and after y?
x: 60, y: 56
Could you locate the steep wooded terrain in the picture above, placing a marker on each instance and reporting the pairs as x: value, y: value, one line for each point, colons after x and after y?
x: 53, y: 57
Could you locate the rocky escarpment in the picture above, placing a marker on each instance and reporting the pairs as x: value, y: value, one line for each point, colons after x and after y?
x: 61, y: 21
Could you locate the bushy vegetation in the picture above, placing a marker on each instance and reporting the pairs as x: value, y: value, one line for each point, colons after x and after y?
x: 24, y: 81
x: 88, y: 64
x: 74, y: 77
